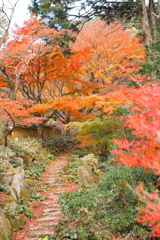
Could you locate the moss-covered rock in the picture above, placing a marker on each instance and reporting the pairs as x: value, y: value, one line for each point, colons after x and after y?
x: 86, y: 175
x: 9, y: 204
x: 18, y: 181
x: 5, y: 227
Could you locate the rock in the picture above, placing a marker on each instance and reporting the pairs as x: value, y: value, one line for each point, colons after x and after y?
x: 18, y: 182
x: 86, y: 175
x: 5, y: 228
x: 12, y: 193
x: 27, y: 160
x: 10, y: 204
x: 6, y: 178
x: 91, y: 160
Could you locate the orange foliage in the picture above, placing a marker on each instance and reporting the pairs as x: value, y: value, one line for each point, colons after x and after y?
x: 114, y: 53
x: 27, y: 47
x: 13, y: 110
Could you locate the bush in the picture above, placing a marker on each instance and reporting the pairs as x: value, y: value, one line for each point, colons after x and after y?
x: 59, y: 143
x: 98, y: 135
x: 6, y: 154
x: 29, y: 146
x: 107, y: 209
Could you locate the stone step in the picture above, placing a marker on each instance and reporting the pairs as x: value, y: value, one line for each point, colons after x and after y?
x: 51, y: 177
x: 41, y: 233
x: 47, y: 218
x: 51, y: 204
x: 52, y: 213
x: 50, y: 182
x: 50, y: 224
x: 35, y: 228
x: 52, y: 195
x: 58, y: 167
x: 56, y: 189
x: 61, y: 192
x: 30, y: 239
x: 56, y: 193
x: 57, y: 185
x: 51, y: 209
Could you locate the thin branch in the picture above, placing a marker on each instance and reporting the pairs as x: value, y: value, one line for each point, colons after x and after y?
x: 6, y: 135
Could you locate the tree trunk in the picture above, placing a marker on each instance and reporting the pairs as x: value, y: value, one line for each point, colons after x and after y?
x: 40, y: 131
x: 153, y: 18
x: 145, y: 24
x: 10, y: 82
x: 159, y: 8
x: 6, y: 135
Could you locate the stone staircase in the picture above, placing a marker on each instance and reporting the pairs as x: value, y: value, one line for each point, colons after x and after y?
x: 46, y: 222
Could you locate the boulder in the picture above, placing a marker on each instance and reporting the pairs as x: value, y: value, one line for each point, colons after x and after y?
x: 7, y: 177
x: 5, y: 228
x: 86, y: 175
x: 91, y: 160
x: 18, y: 182
x: 12, y: 193
x: 10, y: 205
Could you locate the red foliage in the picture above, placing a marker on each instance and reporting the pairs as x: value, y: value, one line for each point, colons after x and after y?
x: 144, y: 121
x: 144, y: 149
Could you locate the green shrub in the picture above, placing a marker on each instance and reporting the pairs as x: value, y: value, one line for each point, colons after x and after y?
x: 29, y: 146
x: 59, y: 143
x: 99, y: 134
x: 107, y: 209
x: 15, y: 162
x: 6, y: 154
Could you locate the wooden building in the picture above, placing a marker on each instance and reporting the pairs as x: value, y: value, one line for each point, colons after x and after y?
x: 31, y: 131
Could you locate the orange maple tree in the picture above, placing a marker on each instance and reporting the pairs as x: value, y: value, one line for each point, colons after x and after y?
x: 94, y: 63
x: 114, y: 52
x: 27, y: 44
x: 33, y: 66
x: 32, y: 40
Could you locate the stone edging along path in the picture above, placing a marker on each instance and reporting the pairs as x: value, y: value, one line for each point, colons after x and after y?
x: 48, y: 212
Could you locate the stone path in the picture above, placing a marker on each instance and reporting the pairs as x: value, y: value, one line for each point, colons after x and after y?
x: 50, y: 215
